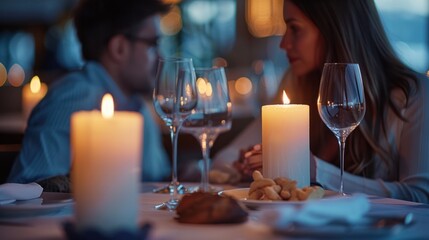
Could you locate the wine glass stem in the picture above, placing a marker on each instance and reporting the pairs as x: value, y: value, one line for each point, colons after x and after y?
x: 174, y: 183
x: 342, y: 144
x: 205, y: 149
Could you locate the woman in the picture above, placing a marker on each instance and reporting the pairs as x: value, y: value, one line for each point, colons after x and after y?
x: 388, y: 154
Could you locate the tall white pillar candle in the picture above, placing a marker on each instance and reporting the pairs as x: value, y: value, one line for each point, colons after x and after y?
x: 285, y: 142
x: 106, y: 156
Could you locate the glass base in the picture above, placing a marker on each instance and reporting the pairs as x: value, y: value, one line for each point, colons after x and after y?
x: 166, y: 189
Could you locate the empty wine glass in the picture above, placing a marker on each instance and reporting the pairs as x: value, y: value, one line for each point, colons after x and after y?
x: 341, y: 103
x: 211, y: 117
x: 174, y: 98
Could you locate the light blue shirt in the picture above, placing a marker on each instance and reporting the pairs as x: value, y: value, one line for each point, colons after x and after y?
x: 45, y: 149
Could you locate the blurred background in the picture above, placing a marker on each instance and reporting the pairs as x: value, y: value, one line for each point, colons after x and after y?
x: 37, y: 38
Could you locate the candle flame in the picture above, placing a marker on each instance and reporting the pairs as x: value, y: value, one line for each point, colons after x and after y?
x: 107, y: 106
x: 285, y: 98
x: 35, y: 84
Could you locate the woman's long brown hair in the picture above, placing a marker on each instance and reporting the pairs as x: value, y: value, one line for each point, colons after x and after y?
x: 353, y: 32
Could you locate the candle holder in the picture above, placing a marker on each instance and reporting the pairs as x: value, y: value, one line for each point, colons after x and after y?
x: 91, y: 233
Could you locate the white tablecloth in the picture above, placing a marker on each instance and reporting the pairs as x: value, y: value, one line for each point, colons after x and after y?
x: 166, y: 227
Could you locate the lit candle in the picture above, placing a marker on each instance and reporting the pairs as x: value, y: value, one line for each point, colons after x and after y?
x: 106, y: 155
x: 285, y: 141
x: 32, y: 93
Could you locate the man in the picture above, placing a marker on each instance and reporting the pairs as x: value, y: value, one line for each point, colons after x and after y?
x: 119, y: 42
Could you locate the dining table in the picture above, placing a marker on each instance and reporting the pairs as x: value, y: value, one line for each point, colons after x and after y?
x: 164, y: 225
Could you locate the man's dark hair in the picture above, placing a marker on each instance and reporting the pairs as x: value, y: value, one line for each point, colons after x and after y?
x: 97, y: 21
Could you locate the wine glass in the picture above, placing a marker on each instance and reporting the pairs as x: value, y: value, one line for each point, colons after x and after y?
x: 211, y: 117
x: 174, y: 98
x: 341, y: 103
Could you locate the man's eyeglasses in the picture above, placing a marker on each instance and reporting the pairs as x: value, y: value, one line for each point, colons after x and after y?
x: 151, y: 42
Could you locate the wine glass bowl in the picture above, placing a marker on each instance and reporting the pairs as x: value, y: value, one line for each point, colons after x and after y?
x: 175, y: 92
x: 212, y: 115
x: 341, y: 103
x: 174, y: 98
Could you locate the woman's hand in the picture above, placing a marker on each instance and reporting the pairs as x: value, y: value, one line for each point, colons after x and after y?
x: 249, y: 161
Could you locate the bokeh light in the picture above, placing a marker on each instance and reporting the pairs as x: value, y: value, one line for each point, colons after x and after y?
x: 265, y: 18
x: 171, y: 23
x: 3, y: 74
x: 209, y: 90
x: 16, y: 75
x: 258, y: 66
x: 219, y: 62
x: 243, y: 85
x: 201, y: 86
x: 171, y: 1
x: 202, y: 11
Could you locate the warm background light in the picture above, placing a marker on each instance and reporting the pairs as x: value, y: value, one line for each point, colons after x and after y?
x: 204, y: 87
x: 107, y: 106
x: 3, y: 74
x: 209, y: 90
x: 243, y: 85
x: 171, y: 23
x: 220, y: 62
x: 171, y: 1
x: 265, y: 17
x: 201, y: 86
x: 16, y: 75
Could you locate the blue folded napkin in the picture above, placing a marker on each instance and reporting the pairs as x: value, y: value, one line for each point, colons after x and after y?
x: 344, y: 209
x: 10, y: 192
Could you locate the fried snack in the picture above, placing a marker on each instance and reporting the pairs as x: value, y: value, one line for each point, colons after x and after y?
x: 261, y: 183
x: 281, y: 189
x: 257, y: 175
x: 258, y: 194
x: 208, y: 208
x: 271, y: 194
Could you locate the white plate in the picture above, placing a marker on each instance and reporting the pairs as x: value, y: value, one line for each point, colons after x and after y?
x: 242, y: 193
x: 48, y: 202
